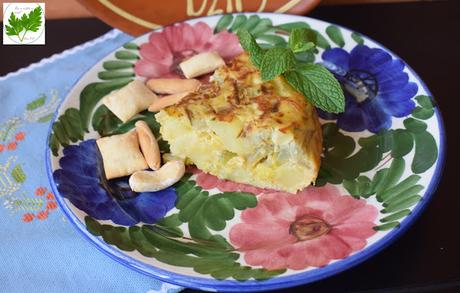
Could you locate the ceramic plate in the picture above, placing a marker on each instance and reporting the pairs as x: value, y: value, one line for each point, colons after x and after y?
x: 381, y: 162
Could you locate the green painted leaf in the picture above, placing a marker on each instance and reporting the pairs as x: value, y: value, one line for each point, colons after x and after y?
x: 241, y: 200
x: 222, y: 206
x: 37, y: 103
x: 335, y: 35
x: 396, y: 216
x: 170, y: 221
x: 318, y: 85
x: 104, y: 121
x: 239, y: 21
x: 108, y: 75
x: 190, y: 209
x: 361, y: 187
x: 60, y: 133
x: 406, y: 203
x: 321, y: 41
x: 401, y: 196
x: 141, y: 243
x: 116, y: 64
x: 223, y: 23
x: 188, y: 195
x: 338, y: 163
x: 54, y: 144
x: 131, y: 46
x: 390, y: 177
x: 379, y: 180
x: 390, y: 192
x: 71, y: 123
x: 357, y: 38
x: 251, y: 23
x: 114, y: 84
x: 387, y: 226
x: 337, y: 145
x: 126, y: 55
x: 424, y: 101
x: 426, y: 152
x: 423, y: 113
x: 292, y: 25
x: 170, y: 232
x: 264, y: 26
x: 93, y: 226
x: 414, y: 125
x: 276, y: 61
x: 403, y: 143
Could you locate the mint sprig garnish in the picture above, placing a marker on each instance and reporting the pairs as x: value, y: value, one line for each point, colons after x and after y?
x: 28, y: 22
x: 249, y: 44
x: 302, y: 40
x: 319, y: 85
x: 276, y: 61
x: 313, y: 81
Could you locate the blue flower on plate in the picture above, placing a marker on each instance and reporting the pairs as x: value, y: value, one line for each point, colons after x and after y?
x: 81, y: 181
x: 375, y: 86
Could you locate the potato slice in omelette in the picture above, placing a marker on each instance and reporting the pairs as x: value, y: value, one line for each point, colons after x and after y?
x: 249, y: 131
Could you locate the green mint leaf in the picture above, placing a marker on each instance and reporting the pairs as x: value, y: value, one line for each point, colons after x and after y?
x: 318, y: 85
x: 302, y: 39
x: 275, y: 62
x: 304, y: 47
x: 14, y: 27
x: 33, y: 20
x: 250, y: 45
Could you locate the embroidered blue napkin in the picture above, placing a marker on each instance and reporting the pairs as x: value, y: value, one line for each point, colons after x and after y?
x: 40, y: 251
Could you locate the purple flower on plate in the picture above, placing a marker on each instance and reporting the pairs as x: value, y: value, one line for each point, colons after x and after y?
x: 81, y: 181
x: 375, y: 85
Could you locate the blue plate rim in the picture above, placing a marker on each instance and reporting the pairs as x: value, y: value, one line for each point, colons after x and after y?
x: 277, y: 282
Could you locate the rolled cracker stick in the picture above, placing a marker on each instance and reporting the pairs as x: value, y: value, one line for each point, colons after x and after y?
x: 173, y: 85
x: 201, y: 64
x: 167, y: 101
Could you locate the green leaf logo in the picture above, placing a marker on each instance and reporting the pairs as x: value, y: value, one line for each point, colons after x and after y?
x: 28, y: 22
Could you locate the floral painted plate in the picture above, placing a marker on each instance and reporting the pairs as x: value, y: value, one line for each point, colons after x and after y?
x: 381, y: 162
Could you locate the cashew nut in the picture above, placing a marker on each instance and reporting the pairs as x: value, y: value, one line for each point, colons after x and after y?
x: 149, y: 181
x: 201, y: 64
x: 167, y: 101
x: 173, y: 85
x: 149, y: 145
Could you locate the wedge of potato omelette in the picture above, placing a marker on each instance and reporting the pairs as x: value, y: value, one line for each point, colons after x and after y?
x: 249, y: 131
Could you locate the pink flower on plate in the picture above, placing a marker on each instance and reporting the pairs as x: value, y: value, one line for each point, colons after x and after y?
x: 208, y: 181
x: 307, y: 229
x: 161, y: 56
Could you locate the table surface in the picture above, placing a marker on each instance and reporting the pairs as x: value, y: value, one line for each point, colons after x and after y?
x: 425, y: 35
